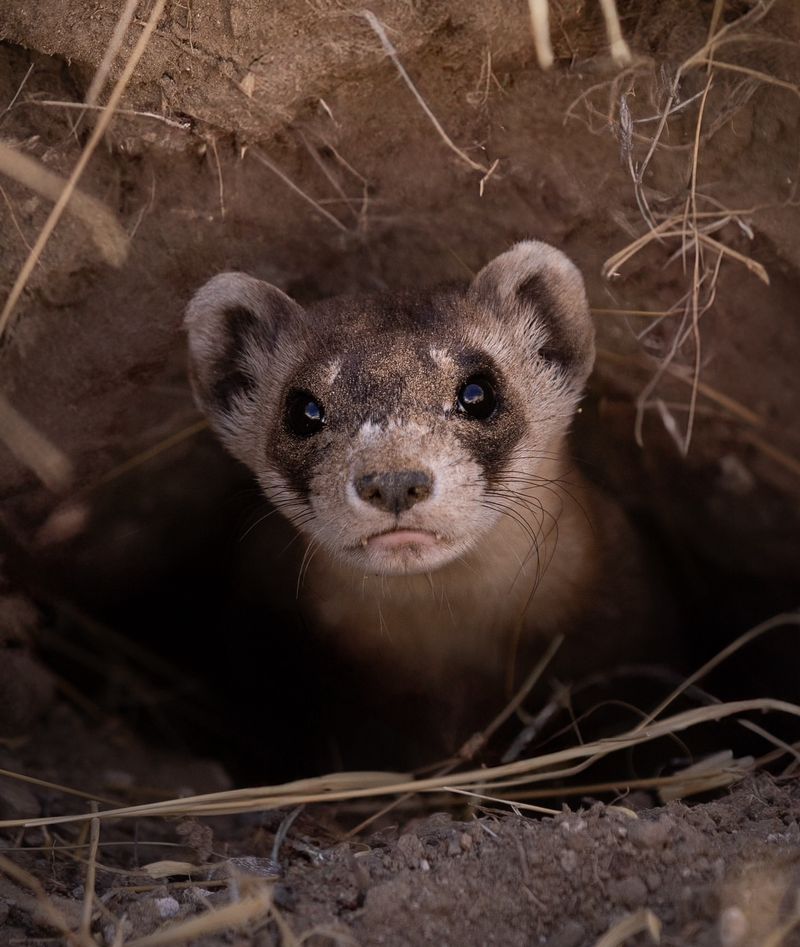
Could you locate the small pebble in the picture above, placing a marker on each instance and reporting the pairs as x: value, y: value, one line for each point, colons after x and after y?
x: 167, y: 907
x: 733, y: 927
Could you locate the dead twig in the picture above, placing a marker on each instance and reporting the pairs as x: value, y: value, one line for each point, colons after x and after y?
x: 99, y: 130
x: 391, y: 52
x: 104, y: 229
x: 33, y: 449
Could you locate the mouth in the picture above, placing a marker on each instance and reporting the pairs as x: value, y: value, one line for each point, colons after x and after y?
x: 399, y: 539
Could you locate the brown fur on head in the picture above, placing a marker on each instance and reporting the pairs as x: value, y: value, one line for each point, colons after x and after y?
x: 361, y: 418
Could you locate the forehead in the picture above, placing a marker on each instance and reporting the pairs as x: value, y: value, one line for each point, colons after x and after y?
x: 382, y: 347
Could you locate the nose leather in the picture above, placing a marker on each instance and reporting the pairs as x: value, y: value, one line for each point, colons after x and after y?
x: 395, y: 490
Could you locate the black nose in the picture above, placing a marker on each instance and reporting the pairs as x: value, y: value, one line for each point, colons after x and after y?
x: 394, y: 491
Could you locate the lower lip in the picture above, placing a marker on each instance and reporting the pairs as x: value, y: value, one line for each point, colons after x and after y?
x: 399, y: 538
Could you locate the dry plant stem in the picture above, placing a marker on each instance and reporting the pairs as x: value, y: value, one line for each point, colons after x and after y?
x: 779, y: 935
x: 109, y: 237
x: 753, y: 73
x: 620, y: 52
x: 134, y: 113
x: 33, y: 449
x: 540, y: 26
x: 49, y: 910
x: 696, y: 275
x: 362, y: 785
x: 290, y: 183
x: 472, y: 746
x: 391, y: 52
x: 91, y: 873
x: 730, y: 404
x: 331, y: 179
x: 99, y: 130
x: 219, y: 177
x: 14, y: 220
x: 113, y: 48
x: 480, y: 739
x: 146, y: 455
x: 636, y: 923
x: 792, y: 464
x: 649, y: 313
x: 233, y: 916
x: 771, y: 624
x: 527, y: 807
x: 17, y: 94
x: 33, y: 781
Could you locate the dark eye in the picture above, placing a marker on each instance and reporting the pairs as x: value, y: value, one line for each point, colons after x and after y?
x: 477, y: 398
x: 305, y: 416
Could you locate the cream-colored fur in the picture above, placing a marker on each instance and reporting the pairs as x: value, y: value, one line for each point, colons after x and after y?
x: 519, y: 554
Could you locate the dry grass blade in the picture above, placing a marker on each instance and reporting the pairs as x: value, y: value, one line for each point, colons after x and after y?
x: 183, y: 124
x: 639, y: 922
x: 620, y: 51
x: 104, y: 229
x: 742, y: 641
x: 113, y: 48
x: 714, y: 772
x: 341, y: 786
x: 50, y: 913
x: 483, y: 797
x: 540, y: 25
x: 299, y: 191
x: 725, y: 401
x: 94, y: 140
x: 649, y: 313
x: 681, y: 218
x: 478, y: 740
x: 792, y: 464
x: 91, y: 873
x: 169, y: 869
x: 57, y: 787
x: 32, y: 449
x: 779, y: 935
x: 391, y: 52
x: 253, y: 907
x: 146, y: 455
x: 748, y: 262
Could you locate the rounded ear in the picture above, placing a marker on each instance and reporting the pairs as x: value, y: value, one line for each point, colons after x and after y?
x: 542, y: 291
x: 233, y: 323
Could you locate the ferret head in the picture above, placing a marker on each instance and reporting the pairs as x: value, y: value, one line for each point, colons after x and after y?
x: 394, y: 429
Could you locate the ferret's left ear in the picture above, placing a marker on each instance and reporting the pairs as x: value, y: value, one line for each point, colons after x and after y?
x: 234, y: 324
x: 542, y: 290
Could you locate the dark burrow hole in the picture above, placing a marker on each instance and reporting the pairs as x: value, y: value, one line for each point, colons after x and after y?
x: 160, y: 615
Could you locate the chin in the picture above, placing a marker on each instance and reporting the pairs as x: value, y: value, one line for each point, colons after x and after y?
x: 385, y: 555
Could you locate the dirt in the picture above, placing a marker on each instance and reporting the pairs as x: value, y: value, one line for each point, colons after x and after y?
x: 141, y: 667
x: 721, y: 873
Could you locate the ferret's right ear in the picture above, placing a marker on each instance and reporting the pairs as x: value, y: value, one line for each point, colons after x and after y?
x: 540, y: 292
x: 233, y: 323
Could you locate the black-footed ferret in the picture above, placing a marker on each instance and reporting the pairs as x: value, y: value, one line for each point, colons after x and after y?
x: 418, y: 443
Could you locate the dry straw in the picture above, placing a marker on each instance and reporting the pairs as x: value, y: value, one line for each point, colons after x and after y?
x: 99, y: 130
x: 690, y: 228
x: 544, y: 768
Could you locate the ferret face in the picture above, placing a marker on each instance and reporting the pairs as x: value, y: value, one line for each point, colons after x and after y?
x: 395, y: 430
